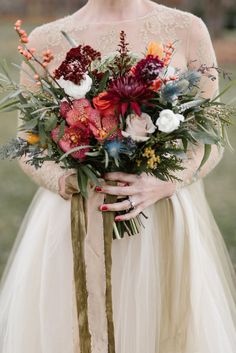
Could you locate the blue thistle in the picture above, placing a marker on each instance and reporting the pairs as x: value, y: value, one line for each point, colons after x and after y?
x: 115, y: 148
x: 192, y: 76
x: 173, y: 89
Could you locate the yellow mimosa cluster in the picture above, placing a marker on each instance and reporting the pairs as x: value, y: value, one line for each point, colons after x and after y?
x: 152, y: 158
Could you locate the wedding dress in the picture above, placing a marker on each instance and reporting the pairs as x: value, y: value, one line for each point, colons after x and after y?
x: 173, y: 284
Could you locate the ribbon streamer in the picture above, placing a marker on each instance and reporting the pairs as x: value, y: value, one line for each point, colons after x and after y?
x: 78, y: 234
x: 108, y: 220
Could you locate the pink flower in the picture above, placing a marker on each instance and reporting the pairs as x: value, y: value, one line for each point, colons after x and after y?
x: 139, y: 128
x: 102, y: 126
x: 73, y: 137
x: 78, y: 113
x: 82, y: 114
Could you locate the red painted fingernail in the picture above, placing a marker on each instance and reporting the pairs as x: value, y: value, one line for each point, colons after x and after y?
x: 118, y: 219
x: 97, y: 188
x: 103, y: 208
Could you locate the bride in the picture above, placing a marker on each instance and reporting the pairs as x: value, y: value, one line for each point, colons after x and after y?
x: 173, y: 285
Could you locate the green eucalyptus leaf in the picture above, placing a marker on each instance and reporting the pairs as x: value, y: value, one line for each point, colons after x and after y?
x: 103, y: 82
x: 82, y: 182
x: 207, y: 151
x: 91, y: 174
x: 92, y: 154
x: 76, y: 149
x: 42, y: 134
x: 106, y: 159
x: 13, y: 104
x: 61, y: 130
x: 29, y: 125
x: 50, y: 123
x: 185, y: 144
x: 204, y: 137
x: 30, y: 65
x: 226, y: 89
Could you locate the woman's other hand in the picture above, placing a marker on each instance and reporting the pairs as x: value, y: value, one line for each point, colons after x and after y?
x: 142, y: 190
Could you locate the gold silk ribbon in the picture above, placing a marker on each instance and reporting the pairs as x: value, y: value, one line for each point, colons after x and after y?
x: 78, y: 234
x: 91, y: 232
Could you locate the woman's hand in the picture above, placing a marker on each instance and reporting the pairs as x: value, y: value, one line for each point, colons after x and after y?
x: 143, y: 190
x: 68, y: 185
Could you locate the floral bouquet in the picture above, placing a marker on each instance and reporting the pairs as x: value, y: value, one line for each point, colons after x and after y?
x: 121, y: 112
x: 117, y: 113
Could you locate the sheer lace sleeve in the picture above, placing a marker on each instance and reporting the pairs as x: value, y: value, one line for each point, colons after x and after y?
x: 49, y: 174
x: 199, y: 50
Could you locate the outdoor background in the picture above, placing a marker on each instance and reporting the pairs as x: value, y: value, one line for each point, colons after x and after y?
x: 16, y: 190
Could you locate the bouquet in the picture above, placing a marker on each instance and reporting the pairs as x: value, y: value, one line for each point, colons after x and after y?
x: 121, y: 112
x: 115, y: 113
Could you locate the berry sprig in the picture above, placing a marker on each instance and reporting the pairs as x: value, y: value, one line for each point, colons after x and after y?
x: 29, y: 54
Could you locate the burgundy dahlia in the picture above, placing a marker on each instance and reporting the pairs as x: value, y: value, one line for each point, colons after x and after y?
x: 127, y: 91
x: 76, y: 63
x: 148, y: 69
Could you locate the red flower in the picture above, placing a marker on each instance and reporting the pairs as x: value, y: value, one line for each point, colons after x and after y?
x: 64, y: 108
x: 76, y: 63
x: 79, y: 112
x: 105, y: 126
x: 156, y: 85
x: 102, y: 105
x: 82, y: 115
x: 73, y: 137
x: 148, y: 69
x: 128, y: 91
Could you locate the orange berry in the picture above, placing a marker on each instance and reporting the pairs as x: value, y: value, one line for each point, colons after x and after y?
x: 29, y: 56
x: 24, y: 40
x: 18, y: 23
x: 45, y: 64
x: 38, y: 83
x: 36, y: 77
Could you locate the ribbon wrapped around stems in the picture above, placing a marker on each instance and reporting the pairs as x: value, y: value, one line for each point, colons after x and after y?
x: 79, y: 228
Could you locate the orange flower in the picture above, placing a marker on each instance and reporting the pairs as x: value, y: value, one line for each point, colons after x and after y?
x: 32, y: 139
x: 155, y: 49
x: 102, y: 105
x: 156, y: 85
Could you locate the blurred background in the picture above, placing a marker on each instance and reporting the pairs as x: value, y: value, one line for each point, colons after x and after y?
x: 16, y: 190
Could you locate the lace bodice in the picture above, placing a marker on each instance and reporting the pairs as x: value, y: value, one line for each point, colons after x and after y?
x: 163, y: 24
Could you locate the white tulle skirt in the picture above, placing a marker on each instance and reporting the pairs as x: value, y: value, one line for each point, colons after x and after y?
x: 173, y: 285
